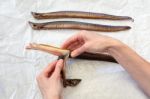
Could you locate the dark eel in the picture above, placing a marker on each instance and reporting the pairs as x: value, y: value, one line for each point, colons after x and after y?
x: 77, y: 25
x: 96, y: 56
x: 78, y: 14
x: 86, y: 56
x: 68, y: 82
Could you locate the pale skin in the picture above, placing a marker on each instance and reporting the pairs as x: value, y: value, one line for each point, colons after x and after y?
x: 85, y: 41
x: 50, y: 82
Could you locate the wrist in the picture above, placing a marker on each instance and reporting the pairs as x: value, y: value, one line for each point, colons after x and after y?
x: 114, y: 46
x: 51, y: 97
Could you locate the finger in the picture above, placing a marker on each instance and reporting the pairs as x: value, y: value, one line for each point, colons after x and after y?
x: 58, y: 68
x: 69, y: 41
x: 73, y: 46
x: 78, y: 51
x: 49, y: 69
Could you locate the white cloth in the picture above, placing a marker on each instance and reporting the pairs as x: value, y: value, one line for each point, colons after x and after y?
x: 100, y: 80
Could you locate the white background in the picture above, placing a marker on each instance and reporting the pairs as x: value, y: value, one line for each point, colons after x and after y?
x: 100, y: 80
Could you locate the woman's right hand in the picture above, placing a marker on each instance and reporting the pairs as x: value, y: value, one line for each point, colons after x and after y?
x: 86, y: 41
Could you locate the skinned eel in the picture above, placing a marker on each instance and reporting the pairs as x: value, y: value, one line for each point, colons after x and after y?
x: 65, y: 54
x: 77, y: 25
x: 78, y: 14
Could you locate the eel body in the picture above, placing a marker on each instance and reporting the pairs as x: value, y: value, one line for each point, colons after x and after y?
x: 77, y: 25
x: 96, y: 56
x: 78, y: 14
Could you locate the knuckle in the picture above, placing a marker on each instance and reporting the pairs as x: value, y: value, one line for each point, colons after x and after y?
x: 83, y: 32
x: 58, y: 77
x: 85, y: 46
x: 80, y: 32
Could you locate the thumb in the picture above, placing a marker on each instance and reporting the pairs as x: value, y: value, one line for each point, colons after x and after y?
x: 78, y: 51
x: 58, y: 68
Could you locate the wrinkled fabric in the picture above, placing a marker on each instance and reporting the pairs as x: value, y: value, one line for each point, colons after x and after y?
x: 100, y: 80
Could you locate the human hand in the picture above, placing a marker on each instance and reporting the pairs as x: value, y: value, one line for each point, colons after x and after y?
x: 49, y: 80
x: 86, y: 41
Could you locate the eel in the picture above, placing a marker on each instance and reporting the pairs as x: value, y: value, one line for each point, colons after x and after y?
x: 63, y: 54
x: 96, y: 56
x: 77, y: 25
x: 78, y: 14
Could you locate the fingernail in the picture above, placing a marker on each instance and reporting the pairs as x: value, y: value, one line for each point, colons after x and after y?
x: 60, y: 60
x: 73, y: 55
